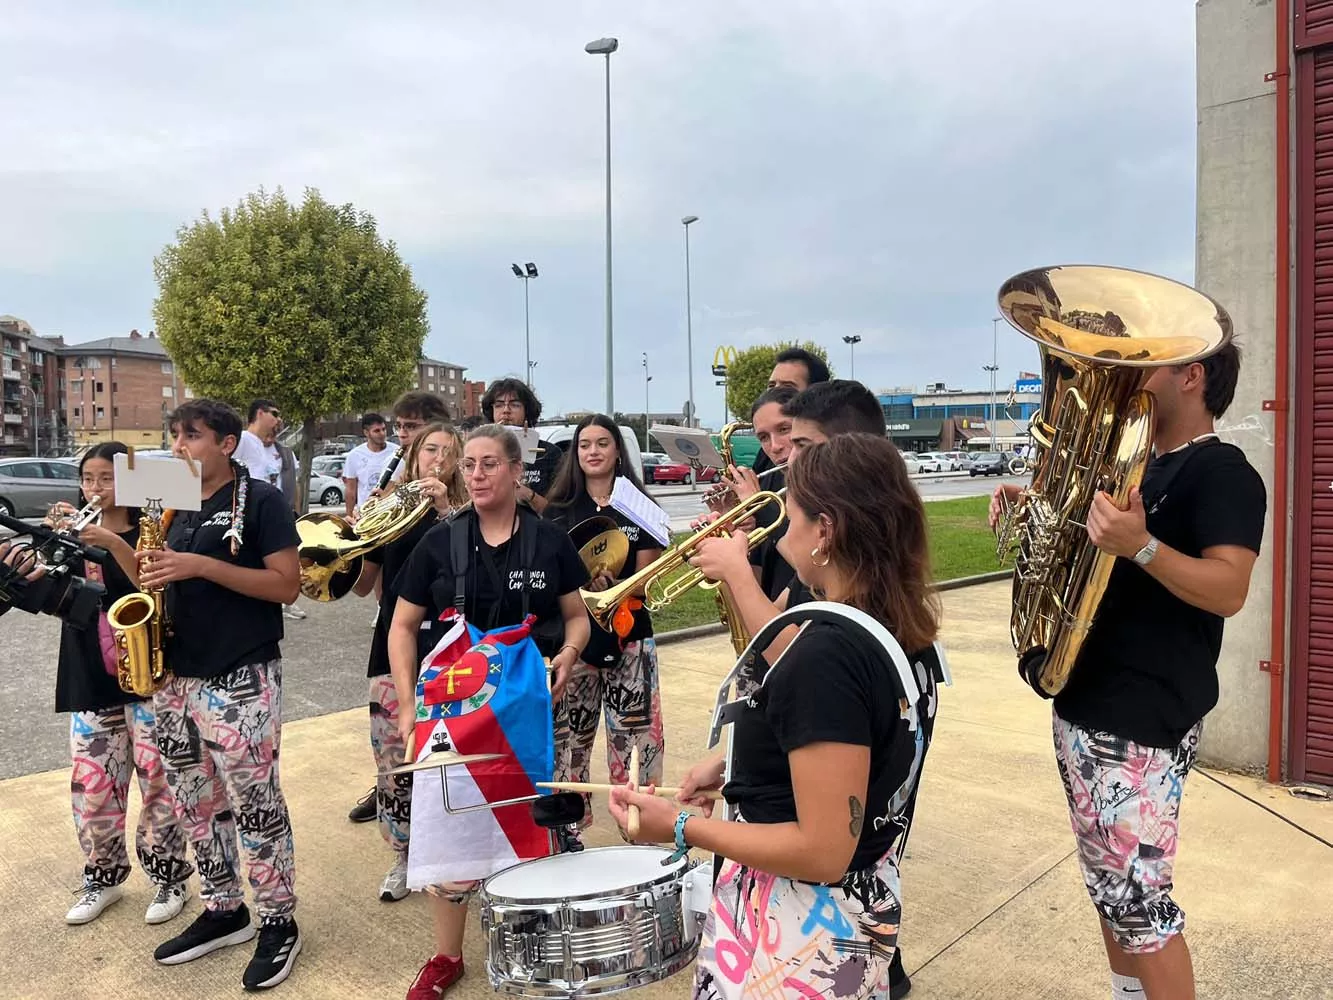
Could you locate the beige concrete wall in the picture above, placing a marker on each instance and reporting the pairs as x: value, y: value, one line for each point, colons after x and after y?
x: 1235, y: 264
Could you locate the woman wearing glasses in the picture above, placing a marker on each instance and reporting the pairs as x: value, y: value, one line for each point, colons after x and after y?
x: 511, y: 403
x: 435, y: 461
x: 111, y: 732
x: 517, y: 566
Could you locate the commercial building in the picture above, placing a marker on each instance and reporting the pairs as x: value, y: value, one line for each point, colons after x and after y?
x: 944, y: 419
x: 1264, y: 239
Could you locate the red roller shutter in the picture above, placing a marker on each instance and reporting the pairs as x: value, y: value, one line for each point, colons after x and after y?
x: 1311, y: 690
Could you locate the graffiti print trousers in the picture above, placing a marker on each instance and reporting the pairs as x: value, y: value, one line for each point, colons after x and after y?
x: 392, y: 793
x: 628, y: 693
x: 768, y: 937
x: 106, y: 747
x: 219, y: 738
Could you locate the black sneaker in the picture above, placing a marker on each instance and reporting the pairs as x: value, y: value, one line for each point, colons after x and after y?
x: 900, y: 983
x: 366, y: 808
x: 279, y: 944
x: 211, y: 930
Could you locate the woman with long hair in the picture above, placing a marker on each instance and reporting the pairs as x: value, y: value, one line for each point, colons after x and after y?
x: 826, y: 751
x: 617, y: 674
x: 434, y: 459
x: 494, y: 571
x: 111, y: 731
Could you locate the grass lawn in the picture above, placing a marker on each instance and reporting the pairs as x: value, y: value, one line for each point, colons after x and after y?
x: 960, y: 545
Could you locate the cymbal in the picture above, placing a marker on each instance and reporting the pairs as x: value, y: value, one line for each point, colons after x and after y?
x: 442, y: 758
x: 602, y: 546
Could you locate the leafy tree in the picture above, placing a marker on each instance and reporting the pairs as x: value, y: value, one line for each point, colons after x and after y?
x: 304, y: 305
x: 747, y: 377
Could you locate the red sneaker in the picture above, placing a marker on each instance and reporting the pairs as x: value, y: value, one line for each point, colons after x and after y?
x: 435, y: 977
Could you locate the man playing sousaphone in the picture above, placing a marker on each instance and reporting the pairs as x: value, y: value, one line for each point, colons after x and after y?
x: 618, y: 671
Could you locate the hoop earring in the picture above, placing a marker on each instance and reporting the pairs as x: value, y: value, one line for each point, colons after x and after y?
x: 814, y: 558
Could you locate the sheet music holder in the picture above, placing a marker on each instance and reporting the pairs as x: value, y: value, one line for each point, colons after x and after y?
x: 691, y: 446
x: 530, y: 442
x: 639, y: 508
x: 174, y: 483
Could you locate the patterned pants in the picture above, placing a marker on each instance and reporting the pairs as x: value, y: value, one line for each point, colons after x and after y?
x: 394, y: 794
x: 628, y: 691
x: 219, y: 739
x: 767, y: 938
x: 106, y: 747
x: 1124, y: 806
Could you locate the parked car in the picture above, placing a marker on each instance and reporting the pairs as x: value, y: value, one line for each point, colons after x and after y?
x: 912, y: 461
x: 29, y: 486
x: 563, y: 435
x: 329, y: 465
x: 989, y: 463
x: 934, y: 461
x: 325, y: 490
x: 678, y: 472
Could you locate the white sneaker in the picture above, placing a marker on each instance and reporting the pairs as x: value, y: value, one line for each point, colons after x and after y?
x: 93, y: 900
x: 293, y: 612
x: 394, y: 886
x: 167, y: 904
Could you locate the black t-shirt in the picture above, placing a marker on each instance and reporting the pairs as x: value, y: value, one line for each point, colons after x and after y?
x: 540, y: 474
x: 82, y: 681
x: 604, y: 648
x: 391, y: 559
x: 832, y: 686
x: 775, y: 573
x: 1148, y: 669
x: 214, y: 630
x: 428, y: 578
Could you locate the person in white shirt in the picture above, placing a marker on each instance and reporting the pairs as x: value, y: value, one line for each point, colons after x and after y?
x: 257, y: 450
x: 365, y: 463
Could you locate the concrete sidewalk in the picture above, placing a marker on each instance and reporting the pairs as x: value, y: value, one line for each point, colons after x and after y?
x: 995, y: 907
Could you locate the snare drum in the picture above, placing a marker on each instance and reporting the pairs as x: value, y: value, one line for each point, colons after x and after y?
x: 591, y: 923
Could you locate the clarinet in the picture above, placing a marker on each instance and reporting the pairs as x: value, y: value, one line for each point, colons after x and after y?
x: 390, y: 469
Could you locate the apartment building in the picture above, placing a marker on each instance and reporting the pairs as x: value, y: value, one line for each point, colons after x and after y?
x: 120, y: 389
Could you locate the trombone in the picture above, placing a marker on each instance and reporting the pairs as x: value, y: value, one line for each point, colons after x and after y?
x: 671, y: 574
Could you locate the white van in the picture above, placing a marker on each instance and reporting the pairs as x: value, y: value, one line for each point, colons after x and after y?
x: 563, y: 435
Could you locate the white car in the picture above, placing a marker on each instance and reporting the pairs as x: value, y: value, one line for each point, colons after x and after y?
x: 912, y: 462
x: 934, y: 461
x: 326, y: 490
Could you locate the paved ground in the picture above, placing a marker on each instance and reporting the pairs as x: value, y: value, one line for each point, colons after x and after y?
x: 994, y: 905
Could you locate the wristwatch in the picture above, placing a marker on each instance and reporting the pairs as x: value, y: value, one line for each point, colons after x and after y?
x: 1146, y: 554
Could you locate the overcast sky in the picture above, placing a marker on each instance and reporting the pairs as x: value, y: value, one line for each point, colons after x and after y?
x: 868, y: 168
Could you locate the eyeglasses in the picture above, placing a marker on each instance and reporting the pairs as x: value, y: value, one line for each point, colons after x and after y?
x: 97, y: 480
x: 507, y: 404
x: 408, y: 425
x: 489, y: 467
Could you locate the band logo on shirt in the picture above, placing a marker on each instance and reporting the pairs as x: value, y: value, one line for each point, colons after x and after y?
x: 536, y: 579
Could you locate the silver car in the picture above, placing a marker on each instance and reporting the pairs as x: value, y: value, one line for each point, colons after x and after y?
x: 29, y: 486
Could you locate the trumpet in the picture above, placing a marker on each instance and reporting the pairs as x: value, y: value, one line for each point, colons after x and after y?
x: 715, y: 497
x: 671, y: 574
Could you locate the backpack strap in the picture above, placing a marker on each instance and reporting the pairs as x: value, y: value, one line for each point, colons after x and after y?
x: 460, y: 552
x: 528, y: 520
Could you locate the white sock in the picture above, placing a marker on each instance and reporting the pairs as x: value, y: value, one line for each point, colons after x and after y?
x: 1125, y: 987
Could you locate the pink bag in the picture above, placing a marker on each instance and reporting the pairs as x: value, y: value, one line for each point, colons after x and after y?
x: 106, y: 638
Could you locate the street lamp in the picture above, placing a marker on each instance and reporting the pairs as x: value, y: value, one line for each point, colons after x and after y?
x: 851, y: 342
x: 993, y: 367
x: 527, y: 276
x: 532, y: 365
x: 646, y: 379
x: 36, y: 415
x: 604, y: 47
x: 689, y: 317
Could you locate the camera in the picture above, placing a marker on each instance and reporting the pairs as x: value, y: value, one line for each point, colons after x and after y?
x: 60, y: 592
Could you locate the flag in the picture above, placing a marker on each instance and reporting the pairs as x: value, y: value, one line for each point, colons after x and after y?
x: 480, y: 693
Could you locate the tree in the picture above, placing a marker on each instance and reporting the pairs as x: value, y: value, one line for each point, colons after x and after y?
x: 747, y: 376
x: 306, y: 306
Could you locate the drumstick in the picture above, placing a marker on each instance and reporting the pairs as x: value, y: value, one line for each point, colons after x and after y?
x: 586, y: 786
x: 632, y: 828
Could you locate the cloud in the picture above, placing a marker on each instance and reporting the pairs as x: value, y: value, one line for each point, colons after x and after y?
x: 857, y: 168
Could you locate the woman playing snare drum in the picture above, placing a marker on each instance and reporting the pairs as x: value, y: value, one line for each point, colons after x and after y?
x: 823, y: 753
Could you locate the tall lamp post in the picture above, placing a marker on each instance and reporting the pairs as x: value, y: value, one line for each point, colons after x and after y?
x: 851, y: 342
x: 532, y: 367
x: 646, y: 379
x: 36, y: 415
x: 993, y: 368
x: 527, y: 276
x: 689, y: 318
x: 604, y: 47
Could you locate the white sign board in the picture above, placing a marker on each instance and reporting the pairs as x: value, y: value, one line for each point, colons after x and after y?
x: 172, y: 482
x: 691, y: 445
x: 529, y: 441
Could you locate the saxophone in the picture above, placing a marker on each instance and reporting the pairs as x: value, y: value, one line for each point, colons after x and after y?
x: 139, y: 621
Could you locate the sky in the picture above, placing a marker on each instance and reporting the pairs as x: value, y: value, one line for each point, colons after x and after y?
x: 864, y: 168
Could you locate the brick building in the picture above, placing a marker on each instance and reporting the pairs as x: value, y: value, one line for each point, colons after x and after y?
x: 120, y: 389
